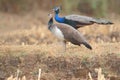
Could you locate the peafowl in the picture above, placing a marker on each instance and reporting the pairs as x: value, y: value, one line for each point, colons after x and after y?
x: 66, y: 33
x: 78, y: 21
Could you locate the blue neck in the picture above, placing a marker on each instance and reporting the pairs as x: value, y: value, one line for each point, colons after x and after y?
x: 59, y: 19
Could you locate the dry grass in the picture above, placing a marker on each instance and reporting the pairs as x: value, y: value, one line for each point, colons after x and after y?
x: 99, y: 77
x: 27, y: 44
x: 56, y: 65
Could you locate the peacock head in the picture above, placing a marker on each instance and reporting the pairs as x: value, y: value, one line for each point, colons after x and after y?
x: 50, y: 22
x: 57, y: 9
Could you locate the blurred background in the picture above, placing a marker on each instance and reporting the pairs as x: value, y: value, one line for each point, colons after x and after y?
x: 89, y: 7
x: 32, y: 15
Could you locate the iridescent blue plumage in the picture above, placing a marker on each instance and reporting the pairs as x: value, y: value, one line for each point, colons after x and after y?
x: 59, y: 19
x: 63, y: 19
x: 78, y: 21
x: 65, y: 33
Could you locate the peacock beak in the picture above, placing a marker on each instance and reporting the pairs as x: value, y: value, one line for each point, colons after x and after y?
x: 51, y: 12
x: 50, y: 15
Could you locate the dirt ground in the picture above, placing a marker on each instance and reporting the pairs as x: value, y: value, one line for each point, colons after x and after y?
x: 26, y: 44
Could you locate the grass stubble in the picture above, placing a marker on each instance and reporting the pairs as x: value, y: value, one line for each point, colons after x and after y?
x: 34, y: 48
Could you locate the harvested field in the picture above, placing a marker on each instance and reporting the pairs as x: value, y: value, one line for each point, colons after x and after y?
x: 26, y: 44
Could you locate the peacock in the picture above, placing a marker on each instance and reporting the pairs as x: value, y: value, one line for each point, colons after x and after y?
x: 65, y: 32
x: 78, y: 21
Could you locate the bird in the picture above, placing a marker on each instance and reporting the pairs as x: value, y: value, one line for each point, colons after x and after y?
x: 77, y: 21
x: 66, y: 33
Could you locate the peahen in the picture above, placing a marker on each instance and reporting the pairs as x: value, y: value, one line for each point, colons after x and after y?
x: 78, y: 21
x: 65, y: 33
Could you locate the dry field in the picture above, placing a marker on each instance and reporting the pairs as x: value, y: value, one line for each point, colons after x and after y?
x: 26, y: 44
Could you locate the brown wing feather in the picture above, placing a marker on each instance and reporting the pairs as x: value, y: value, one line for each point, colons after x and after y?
x: 70, y: 34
